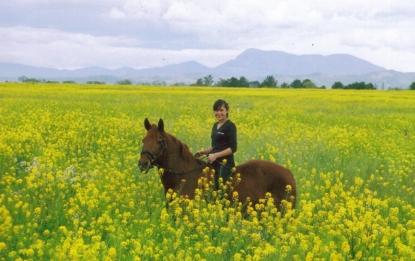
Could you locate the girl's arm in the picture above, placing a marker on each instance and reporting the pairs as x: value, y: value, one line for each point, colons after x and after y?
x: 223, y: 153
x: 205, y: 151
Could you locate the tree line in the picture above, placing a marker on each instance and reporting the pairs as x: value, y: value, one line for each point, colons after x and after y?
x: 271, y: 82
x: 356, y: 86
x: 268, y: 82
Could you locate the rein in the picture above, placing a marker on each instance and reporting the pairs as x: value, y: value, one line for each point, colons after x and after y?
x: 181, y: 172
x: 188, y: 171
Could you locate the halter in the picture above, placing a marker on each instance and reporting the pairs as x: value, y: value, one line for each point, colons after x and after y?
x: 152, y: 157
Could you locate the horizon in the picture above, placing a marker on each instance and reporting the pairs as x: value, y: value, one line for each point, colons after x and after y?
x: 190, y: 61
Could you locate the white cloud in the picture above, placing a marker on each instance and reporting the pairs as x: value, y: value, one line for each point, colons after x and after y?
x: 145, y: 10
x: 55, y: 49
x: 130, y: 32
x: 116, y: 13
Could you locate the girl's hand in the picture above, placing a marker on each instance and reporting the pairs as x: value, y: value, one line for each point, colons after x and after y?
x: 211, y: 158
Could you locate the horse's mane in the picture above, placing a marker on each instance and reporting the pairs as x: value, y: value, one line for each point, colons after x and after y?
x: 183, y: 149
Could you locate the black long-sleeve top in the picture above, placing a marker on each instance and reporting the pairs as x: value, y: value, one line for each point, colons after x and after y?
x: 223, y: 138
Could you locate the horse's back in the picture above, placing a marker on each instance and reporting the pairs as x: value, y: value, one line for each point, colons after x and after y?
x: 259, y: 177
x: 266, y: 170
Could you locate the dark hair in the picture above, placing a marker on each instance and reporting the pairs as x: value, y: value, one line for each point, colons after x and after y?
x: 219, y: 103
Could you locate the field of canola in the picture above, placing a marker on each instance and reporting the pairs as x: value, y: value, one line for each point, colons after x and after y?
x: 70, y: 188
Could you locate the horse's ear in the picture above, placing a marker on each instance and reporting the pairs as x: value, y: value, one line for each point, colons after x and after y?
x: 161, y: 125
x: 147, y: 124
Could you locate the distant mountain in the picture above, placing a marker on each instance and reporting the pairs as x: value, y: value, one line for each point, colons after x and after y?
x: 382, y: 79
x: 13, y: 70
x: 187, y: 68
x: 253, y: 64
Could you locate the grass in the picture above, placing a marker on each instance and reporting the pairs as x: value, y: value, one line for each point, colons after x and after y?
x: 70, y: 189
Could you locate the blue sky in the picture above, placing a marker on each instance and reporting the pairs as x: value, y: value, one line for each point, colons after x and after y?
x: 69, y: 34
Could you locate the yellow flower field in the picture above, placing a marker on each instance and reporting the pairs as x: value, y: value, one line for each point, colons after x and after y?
x: 70, y: 188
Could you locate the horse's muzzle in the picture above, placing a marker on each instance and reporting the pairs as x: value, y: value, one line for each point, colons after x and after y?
x: 144, y: 165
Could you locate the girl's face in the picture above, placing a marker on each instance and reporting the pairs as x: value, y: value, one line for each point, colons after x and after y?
x: 220, y: 114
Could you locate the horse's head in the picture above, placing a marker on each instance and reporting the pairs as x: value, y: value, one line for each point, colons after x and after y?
x: 153, y: 145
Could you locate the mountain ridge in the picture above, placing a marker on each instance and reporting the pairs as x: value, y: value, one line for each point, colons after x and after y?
x: 254, y: 64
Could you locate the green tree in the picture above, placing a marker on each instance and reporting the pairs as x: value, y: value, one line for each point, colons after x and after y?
x: 296, y: 84
x: 337, y: 85
x: 307, y: 83
x: 222, y: 82
x: 412, y: 86
x: 95, y: 82
x: 25, y: 79
x: 370, y: 86
x: 22, y: 79
x: 285, y: 85
x: 205, y: 81
x: 179, y: 84
x: 269, y: 81
x: 360, y: 86
x: 208, y: 80
x: 199, y: 82
x: 124, y: 82
x: 243, y: 82
x: 158, y: 83
x: 254, y: 84
x: 233, y: 82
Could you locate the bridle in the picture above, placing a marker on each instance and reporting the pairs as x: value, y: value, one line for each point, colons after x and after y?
x: 152, y: 157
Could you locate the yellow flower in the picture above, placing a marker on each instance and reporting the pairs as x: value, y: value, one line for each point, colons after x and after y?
x: 96, y: 238
x: 112, y: 253
x: 131, y: 204
x: 235, y: 195
x: 238, y: 257
x: 2, y: 246
x: 37, y: 211
x: 255, y: 237
x: 30, y: 252
x: 345, y: 247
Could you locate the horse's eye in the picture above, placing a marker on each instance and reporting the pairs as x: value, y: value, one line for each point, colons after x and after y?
x: 159, y: 142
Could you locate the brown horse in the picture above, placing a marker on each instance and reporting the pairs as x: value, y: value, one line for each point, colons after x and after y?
x: 257, y: 177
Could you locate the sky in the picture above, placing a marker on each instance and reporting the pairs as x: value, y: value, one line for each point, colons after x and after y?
x: 71, y: 34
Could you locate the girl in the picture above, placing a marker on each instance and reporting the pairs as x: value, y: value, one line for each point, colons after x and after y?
x: 223, y: 144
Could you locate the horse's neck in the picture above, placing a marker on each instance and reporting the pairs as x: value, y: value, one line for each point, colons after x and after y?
x: 177, y: 157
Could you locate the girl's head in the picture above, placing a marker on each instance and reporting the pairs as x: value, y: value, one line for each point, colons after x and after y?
x: 219, y: 104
